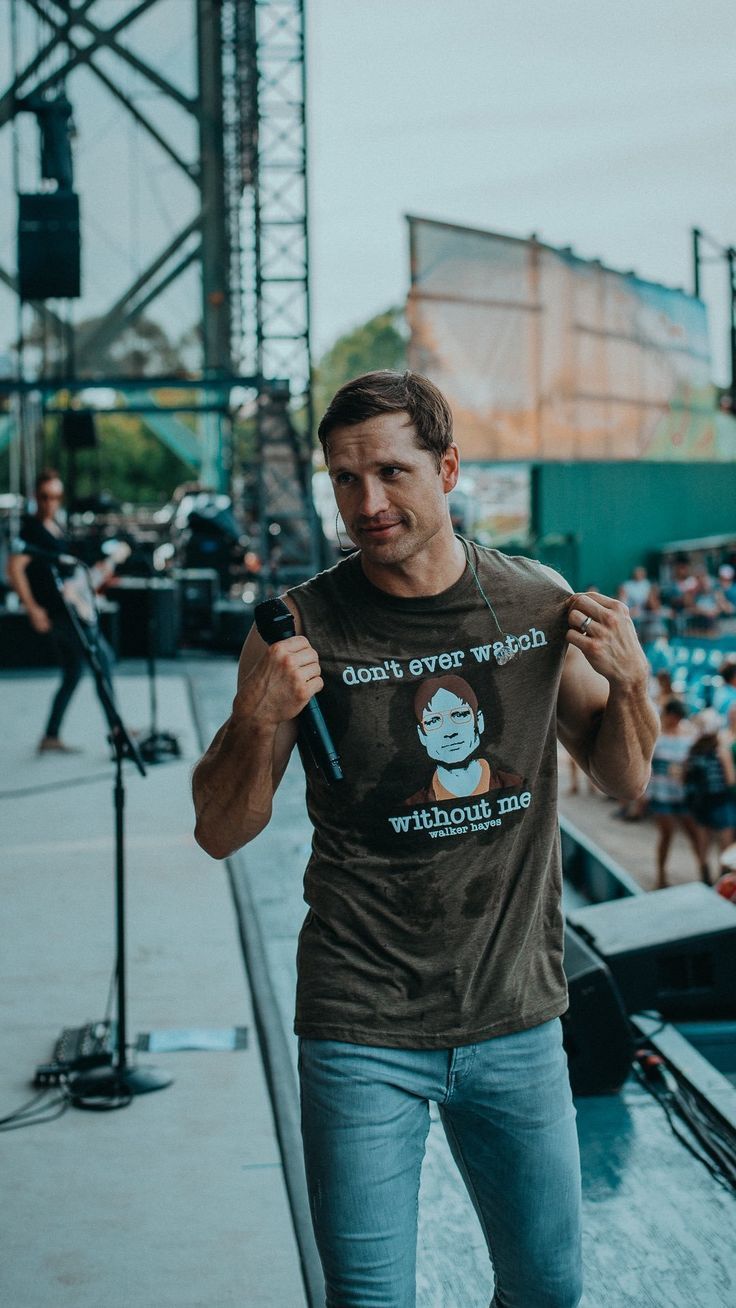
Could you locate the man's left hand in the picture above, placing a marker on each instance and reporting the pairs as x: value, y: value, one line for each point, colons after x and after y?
x: 608, y: 638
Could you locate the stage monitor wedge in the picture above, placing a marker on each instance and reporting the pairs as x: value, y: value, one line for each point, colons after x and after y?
x: 671, y: 950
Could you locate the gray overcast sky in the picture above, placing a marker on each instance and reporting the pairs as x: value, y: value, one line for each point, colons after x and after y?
x: 608, y: 127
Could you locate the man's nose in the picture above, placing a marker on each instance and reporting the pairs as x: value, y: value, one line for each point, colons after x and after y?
x: 373, y: 499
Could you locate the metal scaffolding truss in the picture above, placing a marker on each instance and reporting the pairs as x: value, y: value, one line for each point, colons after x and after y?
x: 75, y: 40
x: 249, y: 232
x: 268, y: 52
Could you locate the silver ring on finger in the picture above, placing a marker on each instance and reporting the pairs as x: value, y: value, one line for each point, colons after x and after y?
x: 583, y: 628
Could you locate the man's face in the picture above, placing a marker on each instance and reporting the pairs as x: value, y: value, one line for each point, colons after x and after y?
x: 390, y: 494
x: 449, y: 730
x: 49, y: 496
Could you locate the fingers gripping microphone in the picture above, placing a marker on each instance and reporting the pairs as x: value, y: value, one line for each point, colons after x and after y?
x: 275, y: 622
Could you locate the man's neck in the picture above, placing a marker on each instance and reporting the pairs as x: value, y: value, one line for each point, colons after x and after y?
x: 434, y: 568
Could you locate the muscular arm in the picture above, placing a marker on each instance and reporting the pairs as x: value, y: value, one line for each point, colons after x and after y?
x: 604, y: 715
x: 235, y: 780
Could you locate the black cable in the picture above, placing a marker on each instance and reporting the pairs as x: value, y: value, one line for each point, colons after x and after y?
x: 723, y: 1170
x: 27, y: 1115
x: 25, y: 1108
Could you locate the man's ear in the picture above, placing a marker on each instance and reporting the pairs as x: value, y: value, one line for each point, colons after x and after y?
x: 479, y: 722
x: 422, y: 735
x: 450, y: 469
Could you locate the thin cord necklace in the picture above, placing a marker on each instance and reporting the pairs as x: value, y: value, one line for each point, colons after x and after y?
x: 505, y: 654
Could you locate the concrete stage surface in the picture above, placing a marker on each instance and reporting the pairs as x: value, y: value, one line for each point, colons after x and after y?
x: 188, y: 1198
x: 177, y: 1201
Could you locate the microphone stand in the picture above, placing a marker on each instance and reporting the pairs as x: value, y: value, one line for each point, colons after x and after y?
x: 111, y: 1087
x: 157, y: 745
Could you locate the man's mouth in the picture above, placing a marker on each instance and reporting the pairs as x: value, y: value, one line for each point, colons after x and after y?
x: 379, y: 530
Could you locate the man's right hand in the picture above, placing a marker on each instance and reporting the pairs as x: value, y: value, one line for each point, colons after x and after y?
x: 39, y: 619
x: 281, y: 683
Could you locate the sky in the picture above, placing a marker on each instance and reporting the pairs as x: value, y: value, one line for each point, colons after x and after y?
x: 605, y: 127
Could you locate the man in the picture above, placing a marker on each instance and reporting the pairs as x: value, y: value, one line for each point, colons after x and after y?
x: 33, y: 580
x: 430, y: 961
x: 449, y: 726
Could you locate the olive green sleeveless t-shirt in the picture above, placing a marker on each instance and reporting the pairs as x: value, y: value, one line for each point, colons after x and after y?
x: 434, y: 880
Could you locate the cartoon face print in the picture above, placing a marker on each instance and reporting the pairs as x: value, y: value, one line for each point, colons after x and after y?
x: 450, y: 726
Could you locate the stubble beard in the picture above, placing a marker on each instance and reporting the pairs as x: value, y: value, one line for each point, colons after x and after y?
x: 410, y: 541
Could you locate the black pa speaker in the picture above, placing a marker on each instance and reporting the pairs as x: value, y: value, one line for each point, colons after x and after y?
x: 139, y: 600
x: 672, y: 950
x: 199, y: 589
x: 78, y: 431
x: 595, y: 1028
x: 49, y: 246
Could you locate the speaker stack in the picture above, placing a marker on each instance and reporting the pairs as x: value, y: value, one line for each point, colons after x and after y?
x: 671, y: 950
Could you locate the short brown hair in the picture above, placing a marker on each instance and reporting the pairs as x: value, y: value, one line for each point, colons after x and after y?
x: 457, y: 686
x: 47, y: 474
x: 392, y: 392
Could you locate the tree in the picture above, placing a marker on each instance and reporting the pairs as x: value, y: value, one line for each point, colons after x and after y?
x: 379, y: 343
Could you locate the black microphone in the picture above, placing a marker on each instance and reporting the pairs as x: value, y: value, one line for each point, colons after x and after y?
x: 275, y: 622
x: 20, y: 546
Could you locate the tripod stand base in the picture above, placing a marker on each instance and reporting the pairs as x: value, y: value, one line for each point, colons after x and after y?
x: 115, y: 1083
x: 158, y: 746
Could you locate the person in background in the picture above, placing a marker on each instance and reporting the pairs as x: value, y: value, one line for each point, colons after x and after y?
x: 641, y: 597
x: 636, y: 592
x: 729, y: 735
x: 666, y: 789
x: 710, y: 799
x: 678, y: 594
x: 33, y: 580
x: 726, y: 588
x: 725, y: 695
x: 705, y: 608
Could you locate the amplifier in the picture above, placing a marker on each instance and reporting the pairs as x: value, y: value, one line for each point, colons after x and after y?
x: 233, y: 621
x: 673, y: 950
x: 136, y: 596
x: 595, y: 1028
x: 199, y: 589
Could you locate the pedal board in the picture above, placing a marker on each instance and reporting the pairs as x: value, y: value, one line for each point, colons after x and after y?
x: 78, y: 1049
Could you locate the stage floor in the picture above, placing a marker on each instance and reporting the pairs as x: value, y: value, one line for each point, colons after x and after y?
x: 177, y: 1201
x: 180, y: 1200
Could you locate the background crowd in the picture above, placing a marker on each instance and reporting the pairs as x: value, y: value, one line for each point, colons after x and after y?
x: 693, y: 783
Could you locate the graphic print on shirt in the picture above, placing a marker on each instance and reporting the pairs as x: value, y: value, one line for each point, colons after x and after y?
x: 449, y: 724
x: 457, y: 779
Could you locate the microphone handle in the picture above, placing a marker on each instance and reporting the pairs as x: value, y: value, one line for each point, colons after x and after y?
x: 317, y: 735
x: 275, y: 622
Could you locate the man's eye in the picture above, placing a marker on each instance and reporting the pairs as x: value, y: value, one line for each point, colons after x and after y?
x: 432, y: 723
x: 343, y: 478
x: 390, y: 471
x: 460, y: 715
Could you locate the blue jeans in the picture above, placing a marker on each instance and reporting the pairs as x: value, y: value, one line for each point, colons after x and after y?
x: 509, y: 1118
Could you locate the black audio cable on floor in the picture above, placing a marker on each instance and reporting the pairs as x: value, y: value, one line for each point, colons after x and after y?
x: 716, y: 1146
